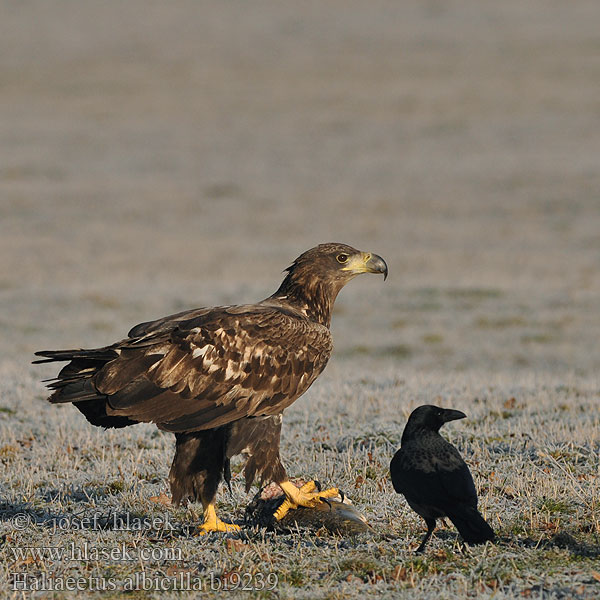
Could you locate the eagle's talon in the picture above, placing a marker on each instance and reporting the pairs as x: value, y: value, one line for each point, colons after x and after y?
x: 330, y: 493
x: 304, y: 496
x: 308, y: 487
x: 213, y: 523
x: 342, y: 496
x: 218, y: 525
x: 317, y: 484
x: 283, y: 509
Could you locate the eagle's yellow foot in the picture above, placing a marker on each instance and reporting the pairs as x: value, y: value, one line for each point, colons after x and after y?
x: 213, y: 523
x: 304, y: 496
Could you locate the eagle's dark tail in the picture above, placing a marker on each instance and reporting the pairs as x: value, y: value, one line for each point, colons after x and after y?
x: 96, y: 354
x: 471, y: 525
x: 74, y: 383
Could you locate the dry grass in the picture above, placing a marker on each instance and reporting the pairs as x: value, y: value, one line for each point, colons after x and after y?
x: 533, y: 449
x: 158, y: 156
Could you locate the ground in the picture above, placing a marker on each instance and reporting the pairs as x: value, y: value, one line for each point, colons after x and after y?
x: 161, y: 156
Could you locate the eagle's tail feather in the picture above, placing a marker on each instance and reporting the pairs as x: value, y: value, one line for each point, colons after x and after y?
x: 74, y: 383
x: 96, y: 354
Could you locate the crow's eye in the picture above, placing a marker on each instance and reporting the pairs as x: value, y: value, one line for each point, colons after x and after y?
x: 342, y: 258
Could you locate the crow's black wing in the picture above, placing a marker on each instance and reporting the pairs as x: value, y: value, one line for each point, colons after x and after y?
x: 432, y: 474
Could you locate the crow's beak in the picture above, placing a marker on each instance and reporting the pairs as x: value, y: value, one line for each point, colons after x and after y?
x: 450, y: 414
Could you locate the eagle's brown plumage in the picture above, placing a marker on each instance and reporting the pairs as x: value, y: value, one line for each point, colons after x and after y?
x: 219, y: 378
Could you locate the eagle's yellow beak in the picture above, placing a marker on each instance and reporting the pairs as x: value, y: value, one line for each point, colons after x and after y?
x: 365, y: 262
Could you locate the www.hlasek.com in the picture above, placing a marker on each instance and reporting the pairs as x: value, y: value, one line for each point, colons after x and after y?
x: 88, y: 552
x: 175, y: 578
x: 184, y: 581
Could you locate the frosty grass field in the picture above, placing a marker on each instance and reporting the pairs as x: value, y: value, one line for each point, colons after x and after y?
x: 162, y: 156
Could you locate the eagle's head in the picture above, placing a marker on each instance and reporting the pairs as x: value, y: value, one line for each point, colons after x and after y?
x: 315, y: 278
x: 337, y: 262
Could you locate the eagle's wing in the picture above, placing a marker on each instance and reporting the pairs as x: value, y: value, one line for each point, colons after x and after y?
x: 209, y: 367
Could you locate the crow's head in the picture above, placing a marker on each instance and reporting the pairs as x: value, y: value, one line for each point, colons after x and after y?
x: 430, y: 418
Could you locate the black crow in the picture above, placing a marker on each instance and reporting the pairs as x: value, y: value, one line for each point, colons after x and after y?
x: 433, y: 477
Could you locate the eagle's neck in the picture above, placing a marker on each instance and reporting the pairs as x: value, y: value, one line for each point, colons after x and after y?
x: 308, y: 294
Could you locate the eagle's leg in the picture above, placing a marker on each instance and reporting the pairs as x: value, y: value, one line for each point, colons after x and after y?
x: 258, y: 438
x: 213, y: 523
x: 196, y: 472
x: 304, y: 496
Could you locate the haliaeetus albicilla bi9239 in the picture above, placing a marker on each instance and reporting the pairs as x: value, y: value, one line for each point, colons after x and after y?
x: 219, y: 378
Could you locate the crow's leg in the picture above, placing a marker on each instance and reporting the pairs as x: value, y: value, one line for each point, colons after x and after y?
x: 430, y: 528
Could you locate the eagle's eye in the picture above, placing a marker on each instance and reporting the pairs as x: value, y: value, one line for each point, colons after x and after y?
x: 342, y: 258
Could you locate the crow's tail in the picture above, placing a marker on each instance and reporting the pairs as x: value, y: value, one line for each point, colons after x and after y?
x: 471, y: 525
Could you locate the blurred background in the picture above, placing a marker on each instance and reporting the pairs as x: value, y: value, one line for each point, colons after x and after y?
x: 157, y: 156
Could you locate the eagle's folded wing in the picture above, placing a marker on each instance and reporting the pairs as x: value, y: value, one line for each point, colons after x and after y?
x: 207, y: 368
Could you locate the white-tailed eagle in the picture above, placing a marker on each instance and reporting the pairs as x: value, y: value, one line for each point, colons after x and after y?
x: 219, y: 378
